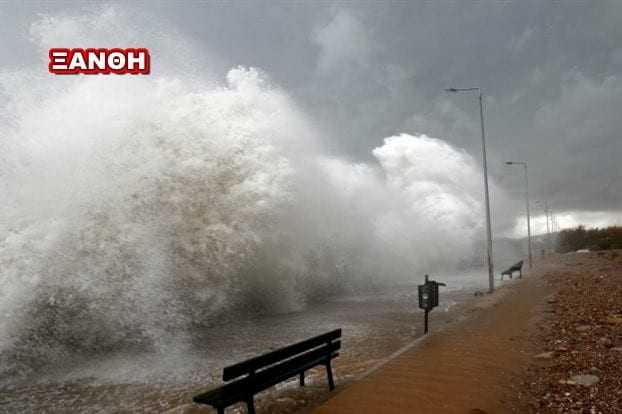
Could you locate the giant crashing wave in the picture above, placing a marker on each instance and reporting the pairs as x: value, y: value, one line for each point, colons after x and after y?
x: 138, y: 208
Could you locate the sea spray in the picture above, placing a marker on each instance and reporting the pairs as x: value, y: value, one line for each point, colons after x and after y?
x: 138, y: 209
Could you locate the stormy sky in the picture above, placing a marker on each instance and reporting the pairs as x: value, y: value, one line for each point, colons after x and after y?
x: 551, y: 72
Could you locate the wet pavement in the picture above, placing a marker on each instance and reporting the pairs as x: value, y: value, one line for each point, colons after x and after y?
x: 470, y: 367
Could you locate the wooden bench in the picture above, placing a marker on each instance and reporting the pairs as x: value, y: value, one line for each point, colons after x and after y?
x: 516, y: 267
x: 254, y: 375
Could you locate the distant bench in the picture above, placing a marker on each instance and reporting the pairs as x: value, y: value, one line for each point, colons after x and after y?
x: 264, y: 371
x: 516, y: 267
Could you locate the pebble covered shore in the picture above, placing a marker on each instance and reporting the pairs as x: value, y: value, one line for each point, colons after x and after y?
x: 580, y: 367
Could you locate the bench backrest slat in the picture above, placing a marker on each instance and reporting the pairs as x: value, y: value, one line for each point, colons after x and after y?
x: 255, y: 364
x: 273, y: 374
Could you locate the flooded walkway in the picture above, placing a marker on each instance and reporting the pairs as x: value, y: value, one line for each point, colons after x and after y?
x: 373, y: 324
x: 470, y: 367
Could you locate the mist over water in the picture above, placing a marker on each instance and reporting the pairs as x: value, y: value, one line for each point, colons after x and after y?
x: 138, y: 208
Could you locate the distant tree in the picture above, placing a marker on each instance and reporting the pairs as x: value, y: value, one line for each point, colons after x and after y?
x: 571, y: 240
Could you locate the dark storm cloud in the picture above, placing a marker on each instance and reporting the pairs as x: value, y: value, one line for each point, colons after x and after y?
x: 365, y: 70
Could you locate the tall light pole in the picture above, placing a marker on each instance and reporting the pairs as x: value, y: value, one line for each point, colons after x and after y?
x: 524, y: 164
x: 491, y: 273
x: 552, y: 236
x: 547, y: 211
x: 545, y: 205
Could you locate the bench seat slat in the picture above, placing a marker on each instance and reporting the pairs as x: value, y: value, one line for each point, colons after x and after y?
x: 255, y: 364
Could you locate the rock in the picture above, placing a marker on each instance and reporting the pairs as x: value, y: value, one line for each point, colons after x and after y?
x: 545, y: 355
x: 606, y: 342
x: 583, y: 328
x: 614, y: 320
x: 585, y: 380
x: 183, y: 409
x: 551, y: 298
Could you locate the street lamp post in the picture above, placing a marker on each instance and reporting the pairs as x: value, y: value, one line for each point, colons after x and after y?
x: 547, y: 212
x: 491, y: 274
x: 552, y: 232
x: 524, y: 164
x: 545, y: 205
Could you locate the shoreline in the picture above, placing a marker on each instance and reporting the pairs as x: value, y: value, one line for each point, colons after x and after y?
x: 393, y: 333
x: 375, y: 329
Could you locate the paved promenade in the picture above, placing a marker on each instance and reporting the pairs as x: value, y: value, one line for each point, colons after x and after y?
x: 471, y: 367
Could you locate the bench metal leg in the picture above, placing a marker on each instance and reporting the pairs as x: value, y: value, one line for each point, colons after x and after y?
x: 329, y: 372
x: 302, y: 379
x: 250, y: 405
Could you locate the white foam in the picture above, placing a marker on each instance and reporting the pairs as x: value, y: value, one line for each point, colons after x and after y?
x: 136, y: 207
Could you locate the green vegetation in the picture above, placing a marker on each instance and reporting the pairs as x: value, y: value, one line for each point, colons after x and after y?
x: 593, y: 239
